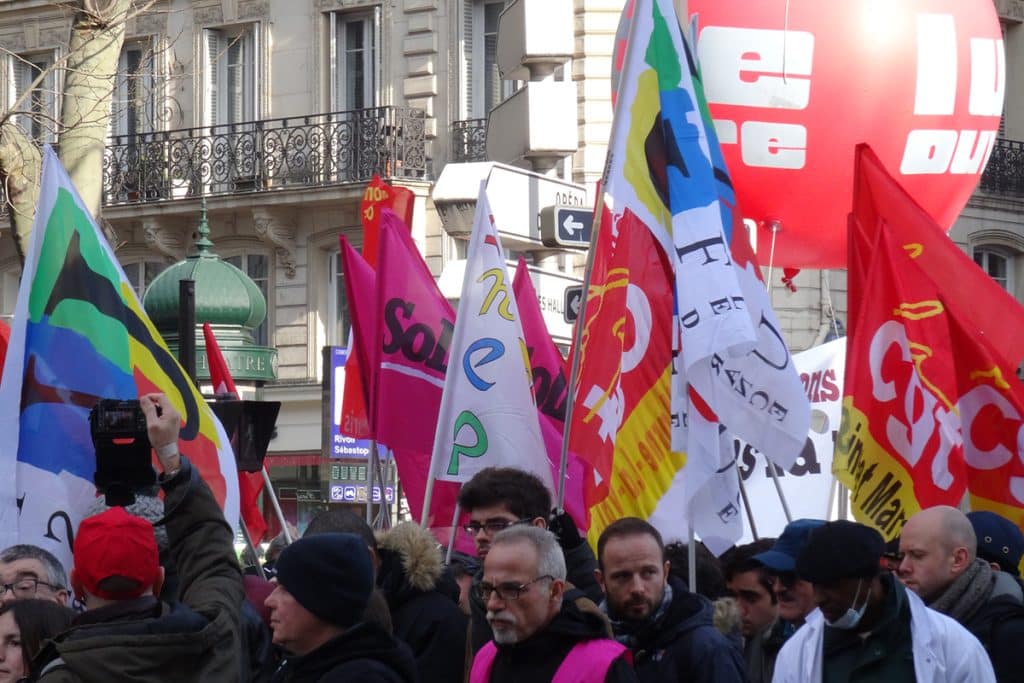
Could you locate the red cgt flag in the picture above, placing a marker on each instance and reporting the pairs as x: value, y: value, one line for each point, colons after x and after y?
x: 931, y: 393
x: 250, y: 484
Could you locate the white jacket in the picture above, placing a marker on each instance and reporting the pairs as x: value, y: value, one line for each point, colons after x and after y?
x: 944, y: 651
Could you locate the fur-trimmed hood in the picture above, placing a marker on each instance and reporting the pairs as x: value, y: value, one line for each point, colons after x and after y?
x: 417, y: 551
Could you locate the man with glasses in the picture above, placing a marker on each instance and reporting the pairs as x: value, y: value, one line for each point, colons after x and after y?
x: 539, y: 636
x: 28, y: 571
x: 795, y: 597
x: 497, y: 498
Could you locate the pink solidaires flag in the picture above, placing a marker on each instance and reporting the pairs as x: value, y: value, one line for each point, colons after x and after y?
x: 410, y: 357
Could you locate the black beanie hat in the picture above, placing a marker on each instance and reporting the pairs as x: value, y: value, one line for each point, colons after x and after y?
x: 840, y: 550
x: 328, y: 574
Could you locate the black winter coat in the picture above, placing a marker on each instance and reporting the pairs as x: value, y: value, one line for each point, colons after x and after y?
x: 148, y: 641
x: 537, y: 658
x: 684, y: 645
x: 363, y: 653
x: 424, y: 608
x: 999, y: 625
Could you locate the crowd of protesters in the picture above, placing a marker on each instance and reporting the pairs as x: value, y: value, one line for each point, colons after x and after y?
x: 161, y: 596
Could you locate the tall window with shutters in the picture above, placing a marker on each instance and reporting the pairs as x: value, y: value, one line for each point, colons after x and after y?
x: 132, y: 108
x: 482, y: 84
x: 39, y: 107
x: 354, y: 40
x: 232, y: 88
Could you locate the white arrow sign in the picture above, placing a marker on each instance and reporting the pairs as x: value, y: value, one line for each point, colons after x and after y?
x: 571, y: 227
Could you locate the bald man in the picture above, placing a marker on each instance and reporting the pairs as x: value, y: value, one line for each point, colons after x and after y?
x: 940, y: 563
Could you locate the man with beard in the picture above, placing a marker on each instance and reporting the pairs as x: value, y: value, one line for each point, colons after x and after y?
x: 668, y: 628
x: 538, y: 636
x: 497, y: 498
x: 940, y: 563
x: 794, y: 595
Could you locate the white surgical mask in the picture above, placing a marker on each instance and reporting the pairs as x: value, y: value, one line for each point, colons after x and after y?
x: 852, y: 616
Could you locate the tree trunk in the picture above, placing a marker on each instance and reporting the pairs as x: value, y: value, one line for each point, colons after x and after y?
x: 20, y: 166
x: 90, y: 70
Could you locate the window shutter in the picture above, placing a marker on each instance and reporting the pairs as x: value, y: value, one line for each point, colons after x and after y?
x: 212, y: 76
x: 251, y: 45
x: 468, y: 34
x: 373, y: 65
x: 334, y: 86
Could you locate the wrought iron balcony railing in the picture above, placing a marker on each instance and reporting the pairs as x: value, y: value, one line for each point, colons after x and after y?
x: 1005, y: 171
x: 258, y: 156
x: 469, y: 140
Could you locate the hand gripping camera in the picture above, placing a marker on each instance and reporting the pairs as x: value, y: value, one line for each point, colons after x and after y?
x: 123, y: 452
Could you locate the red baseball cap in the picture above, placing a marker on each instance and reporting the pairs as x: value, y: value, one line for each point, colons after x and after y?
x: 115, y: 543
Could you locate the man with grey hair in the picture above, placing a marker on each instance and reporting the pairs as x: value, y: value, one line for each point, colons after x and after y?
x: 940, y: 563
x: 537, y: 634
x: 28, y: 571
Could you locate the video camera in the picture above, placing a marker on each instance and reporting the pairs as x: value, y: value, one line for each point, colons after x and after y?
x: 123, y: 452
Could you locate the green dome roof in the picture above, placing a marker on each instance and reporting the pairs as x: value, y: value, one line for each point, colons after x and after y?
x: 224, y: 294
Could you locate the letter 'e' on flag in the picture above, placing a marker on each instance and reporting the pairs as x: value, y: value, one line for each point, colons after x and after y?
x: 488, y: 417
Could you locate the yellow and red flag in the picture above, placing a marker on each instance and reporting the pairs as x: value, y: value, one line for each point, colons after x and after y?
x: 932, y: 404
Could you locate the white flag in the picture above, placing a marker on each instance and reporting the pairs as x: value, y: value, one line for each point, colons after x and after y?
x: 488, y: 417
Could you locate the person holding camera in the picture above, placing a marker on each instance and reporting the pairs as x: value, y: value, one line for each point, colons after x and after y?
x: 127, y: 632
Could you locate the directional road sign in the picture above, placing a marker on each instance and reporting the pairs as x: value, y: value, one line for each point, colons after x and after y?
x: 573, y: 299
x: 566, y: 226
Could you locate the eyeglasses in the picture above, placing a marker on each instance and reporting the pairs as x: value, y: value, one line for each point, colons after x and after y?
x: 493, y: 526
x: 508, y: 590
x: 26, y: 588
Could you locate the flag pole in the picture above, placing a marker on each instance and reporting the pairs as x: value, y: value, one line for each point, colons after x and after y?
x: 577, y: 343
x: 252, y: 548
x: 831, y: 497
x: 778, y: 488
x: 369, y: 483
x: 383, y: 510
x: 428, y: 495
x: 451, y: 537
x: 277, y: 506
x: 746, y: 503
x: 691, y: 556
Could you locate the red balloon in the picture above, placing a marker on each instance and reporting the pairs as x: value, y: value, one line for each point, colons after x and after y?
x: 795, y: 86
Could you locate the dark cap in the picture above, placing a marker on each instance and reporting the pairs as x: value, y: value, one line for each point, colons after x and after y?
x: 999, y: 540
x: 841, y: 550
x: 782, y: 556
x: 328, y: 574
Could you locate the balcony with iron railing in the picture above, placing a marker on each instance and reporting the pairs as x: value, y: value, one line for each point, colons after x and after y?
x: 469, y: 140
x: 268, y: 155
x: 1004, y: 174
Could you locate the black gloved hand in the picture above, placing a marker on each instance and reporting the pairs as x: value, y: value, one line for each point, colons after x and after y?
x: 564, y: 529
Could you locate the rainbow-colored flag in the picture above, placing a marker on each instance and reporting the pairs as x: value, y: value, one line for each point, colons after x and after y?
x: 680, y: 344
x: 80, y: 334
